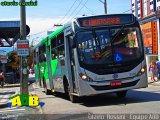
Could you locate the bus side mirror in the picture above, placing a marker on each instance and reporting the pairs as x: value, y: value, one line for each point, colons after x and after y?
x: 74, y: 44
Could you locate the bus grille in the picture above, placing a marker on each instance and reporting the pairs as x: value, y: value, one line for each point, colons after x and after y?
x: 108, y: 87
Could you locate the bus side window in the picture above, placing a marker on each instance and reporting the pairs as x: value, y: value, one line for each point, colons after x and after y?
x: 60, y: 45
x: 54, y: 53
x: 53, y: 47
x: 42, y: 54
x: 35, y: 57
x: 61, y: 51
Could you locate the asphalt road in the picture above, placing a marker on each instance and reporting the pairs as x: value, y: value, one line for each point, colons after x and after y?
x: 145, y: 101
x: 141, y: 101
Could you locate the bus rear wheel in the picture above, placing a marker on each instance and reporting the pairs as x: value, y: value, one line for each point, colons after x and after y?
x: 122, y: 94
x: 48, y: 92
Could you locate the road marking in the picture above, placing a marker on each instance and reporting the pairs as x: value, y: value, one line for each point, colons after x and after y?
x: 12, y: 110
x: 5, y: 98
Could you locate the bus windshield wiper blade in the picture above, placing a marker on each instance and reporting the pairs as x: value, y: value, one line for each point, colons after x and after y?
x: 97, y: 40
x: 117, y: 33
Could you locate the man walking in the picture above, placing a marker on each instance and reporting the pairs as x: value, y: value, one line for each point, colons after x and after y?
x: 158, y: 66
x: 1, y: 79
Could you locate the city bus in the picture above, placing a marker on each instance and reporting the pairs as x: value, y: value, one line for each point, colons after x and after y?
x: 92, y: 55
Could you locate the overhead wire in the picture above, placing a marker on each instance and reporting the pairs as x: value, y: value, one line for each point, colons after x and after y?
x: 63, y: 19
x: 127, y: 11
x: 74, y: 10
x: 88, y: 9
x: 79, y: 10
x: 68, y: 11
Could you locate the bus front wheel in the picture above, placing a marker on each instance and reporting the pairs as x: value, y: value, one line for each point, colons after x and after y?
x: 73, y: 99
x: 122, y: 94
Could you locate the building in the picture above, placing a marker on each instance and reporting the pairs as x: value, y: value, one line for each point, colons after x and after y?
x: 148, y: 13
x: 144, y: 8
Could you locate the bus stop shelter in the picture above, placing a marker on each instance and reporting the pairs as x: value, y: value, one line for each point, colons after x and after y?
x: 9, y: 34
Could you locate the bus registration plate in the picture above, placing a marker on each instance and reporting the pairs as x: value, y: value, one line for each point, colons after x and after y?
x: 116, y: 83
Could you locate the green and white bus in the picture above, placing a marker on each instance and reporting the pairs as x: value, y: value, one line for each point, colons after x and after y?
x: 93, y: 55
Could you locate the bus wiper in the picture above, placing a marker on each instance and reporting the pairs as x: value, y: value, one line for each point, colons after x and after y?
x: 117, y: 33
x: 97, y: 40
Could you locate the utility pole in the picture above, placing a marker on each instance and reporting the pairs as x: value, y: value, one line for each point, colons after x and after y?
x: 105, y: 5
x: 23, y: 63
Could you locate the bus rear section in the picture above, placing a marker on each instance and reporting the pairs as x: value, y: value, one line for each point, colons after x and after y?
x: 108, y: 55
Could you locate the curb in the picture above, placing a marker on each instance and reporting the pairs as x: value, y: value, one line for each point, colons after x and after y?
x: 5, y: 99
x: 154, y: 84
x: 34, y: 86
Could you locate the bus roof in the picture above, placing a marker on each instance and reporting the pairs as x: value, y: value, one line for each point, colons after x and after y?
x: 51, y: 36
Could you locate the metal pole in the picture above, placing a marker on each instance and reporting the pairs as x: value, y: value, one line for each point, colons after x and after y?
x: 21, y: 75
x: 3, y: 68
x: 105, y: 6
x: 24, y: 74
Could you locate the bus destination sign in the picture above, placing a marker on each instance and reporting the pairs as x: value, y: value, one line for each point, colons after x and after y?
x: 102, y: 21
x: 106, y: 20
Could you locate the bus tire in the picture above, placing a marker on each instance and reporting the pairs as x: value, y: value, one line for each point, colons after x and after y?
x: 48, y: 92
x: 122, y: 94
x: 65, y: 85
x: 73, y: 99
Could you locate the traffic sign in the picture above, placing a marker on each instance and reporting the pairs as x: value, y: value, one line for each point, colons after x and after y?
x: 3, y: 59
x: 2, y: 52
x: 23, y: 47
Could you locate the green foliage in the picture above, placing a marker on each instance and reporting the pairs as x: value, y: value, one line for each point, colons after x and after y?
x: 11, y: 56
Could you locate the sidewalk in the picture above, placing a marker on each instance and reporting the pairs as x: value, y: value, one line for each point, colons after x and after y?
x: 11, y: 90
x: 156, y: 83
x: 5, y: 95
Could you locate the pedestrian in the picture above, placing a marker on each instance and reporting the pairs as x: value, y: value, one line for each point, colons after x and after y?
x: 1, y: 79
x: 158, y: 66
x: 154, y: 70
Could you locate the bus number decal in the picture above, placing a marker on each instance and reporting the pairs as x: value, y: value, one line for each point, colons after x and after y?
x: 96, y: 55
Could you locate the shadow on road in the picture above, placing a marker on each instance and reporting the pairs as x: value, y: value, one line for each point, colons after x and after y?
x: 11, y: 85
x: 132, y: 97
x: 6, y: 93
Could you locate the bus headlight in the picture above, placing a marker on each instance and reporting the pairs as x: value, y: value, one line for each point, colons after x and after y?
x: 142, y: 70
x: 84, y: 76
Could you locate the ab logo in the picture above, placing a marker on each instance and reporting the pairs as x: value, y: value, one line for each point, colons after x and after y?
x: 25, y: 100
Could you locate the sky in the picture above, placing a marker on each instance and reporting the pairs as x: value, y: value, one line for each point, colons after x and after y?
x: 42, y: 17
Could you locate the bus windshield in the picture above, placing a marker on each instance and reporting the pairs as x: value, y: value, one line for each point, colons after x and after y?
x: 109, y: 46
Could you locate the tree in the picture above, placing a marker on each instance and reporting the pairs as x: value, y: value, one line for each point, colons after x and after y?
x: 13, y: 59
x: 30, y: 60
